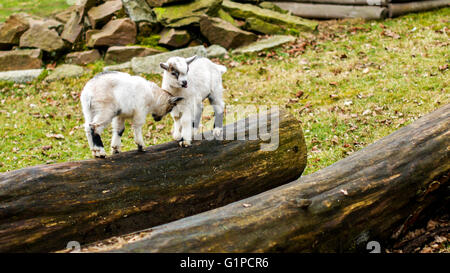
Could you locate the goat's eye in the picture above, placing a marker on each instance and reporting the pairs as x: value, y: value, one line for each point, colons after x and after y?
x: 175, y: 74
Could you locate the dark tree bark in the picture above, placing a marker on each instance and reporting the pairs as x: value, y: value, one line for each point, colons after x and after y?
x: 42, y: 208
x: 374, y: 194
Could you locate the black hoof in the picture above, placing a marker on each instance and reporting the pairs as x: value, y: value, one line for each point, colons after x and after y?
x: 100, y: 156
x: 140, y: 148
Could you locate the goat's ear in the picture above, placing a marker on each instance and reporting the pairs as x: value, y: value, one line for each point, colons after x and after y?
x: 175, y: 100
x: 164, y: 66
x: 191, y: 59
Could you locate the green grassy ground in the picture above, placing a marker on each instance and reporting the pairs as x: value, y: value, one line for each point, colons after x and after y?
x: 350, y: 84
x: 40, y: 8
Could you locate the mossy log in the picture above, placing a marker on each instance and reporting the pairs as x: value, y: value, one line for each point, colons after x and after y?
x: 330, y: 11
x: 374, y: 194
x: 44, y: 207
x: 397, y: 9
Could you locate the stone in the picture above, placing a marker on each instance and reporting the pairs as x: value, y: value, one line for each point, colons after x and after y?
x: 185, y: 14
x: 272, y: 6
x: 195, y: 42
x: 20, y: 59
x: 121, y: 54
x: 227, y: 17
x: 64, y: 15
x: 83, y: 57
x: 11, y: 31
x: 114, y: 33
x: 174, y: 38
x: 220, y: 32
x: 216, y: 51
x: 159, y: 3
x: 244, y: 11
x: 146, y: 29
x: 117, y: 67
x: 139, y: 11
x: 40, y: 36
x: 65, y: 71
x: 100, y: 15
x: 267, y: 43
x: 73, y: 27
x: 258, y: 25
x: 50, y: 24
x: 87, y: 4
x: 150, y: 64
x: 20, y: 76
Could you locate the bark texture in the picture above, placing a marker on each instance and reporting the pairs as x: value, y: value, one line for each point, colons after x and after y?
x: 42, y: 208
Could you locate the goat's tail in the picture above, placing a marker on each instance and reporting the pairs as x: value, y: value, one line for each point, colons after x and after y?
x: 222, y: 69
x: 85, y: 99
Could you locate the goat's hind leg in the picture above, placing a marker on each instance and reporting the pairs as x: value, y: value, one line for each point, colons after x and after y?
x: 118, y: 125
x: 218, y: 106
x: 138, y: 122
x: 96, y: 128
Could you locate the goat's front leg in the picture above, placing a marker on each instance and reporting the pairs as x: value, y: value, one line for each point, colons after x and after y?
x: 198, y: 110
x: 186, y: 129
x: 118, y: 125
x: 138, y: 122
x: 176, y: 129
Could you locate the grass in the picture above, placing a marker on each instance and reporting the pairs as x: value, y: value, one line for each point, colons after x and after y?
x: 350, y: 84
x: 40, y: 8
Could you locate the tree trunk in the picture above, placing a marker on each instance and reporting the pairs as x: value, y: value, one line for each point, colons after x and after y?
x: 374, y: 194
x: 326, y: 11
x: 404, y: 8
x: 42, y: 208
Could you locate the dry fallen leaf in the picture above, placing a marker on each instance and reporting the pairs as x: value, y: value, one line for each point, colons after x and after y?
x: 443, y: 67
x: 246, y: 205
x: 367, y: 112
x: 46, y: 147
x: 391, y: 34
x: 348, y: 102
x: 57, y: 136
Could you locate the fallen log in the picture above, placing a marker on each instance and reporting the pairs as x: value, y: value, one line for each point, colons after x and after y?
x: 328, y: 11
x: 42, y: 208
x: 398, y: 9
x: 361, y: 198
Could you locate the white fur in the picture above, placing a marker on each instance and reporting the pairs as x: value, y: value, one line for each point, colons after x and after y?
x: 115, y: 97
x: 204, y: 80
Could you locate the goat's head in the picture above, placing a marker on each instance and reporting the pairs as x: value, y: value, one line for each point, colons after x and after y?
x: 165, y: 102
x: 177, y: 69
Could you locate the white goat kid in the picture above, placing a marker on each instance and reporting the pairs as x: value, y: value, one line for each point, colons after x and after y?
x: 115, y: 97
x: 194, y: 79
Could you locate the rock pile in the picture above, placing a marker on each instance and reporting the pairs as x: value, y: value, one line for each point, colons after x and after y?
x: 120, y: 30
